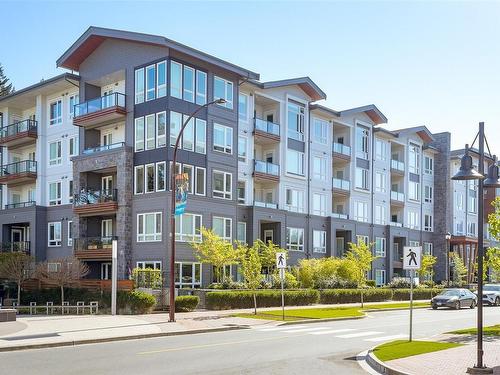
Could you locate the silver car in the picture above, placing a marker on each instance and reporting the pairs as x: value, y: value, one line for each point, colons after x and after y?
x: 455, y: 299
x: 491, y: 294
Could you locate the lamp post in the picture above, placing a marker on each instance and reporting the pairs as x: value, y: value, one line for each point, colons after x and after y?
x: 172, y: 208
x: 467, y: 172
x: 448, y: 238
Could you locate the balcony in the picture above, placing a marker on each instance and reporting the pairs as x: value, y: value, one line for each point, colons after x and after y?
x: 340, y: 216
x: 266, y: 131
x: 341, y: 151
x: 265, y: 205
x: 100, y: 111
x: 93, y: 248
x: 397, y: 167
x: 396, y: 224
x: 18, y: 173
x: 20, y: 205
x: 266, y: 171
x: 10, y: 247
x: 95, y: 202
x: 98, y: 149
x: 19, y: 134
x: 397, y: 198
x: 341, y: 186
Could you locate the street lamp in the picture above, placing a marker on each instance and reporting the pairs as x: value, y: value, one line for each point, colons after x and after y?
x: 467, y: 172
x: 172, y: 217
x: 448, y: 238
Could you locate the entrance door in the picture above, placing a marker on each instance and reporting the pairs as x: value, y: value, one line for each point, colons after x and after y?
x: 16, y: 235
x: 105, y: 271
x: 107, y: 184
x: 268, y: 235
x: 340, y: 244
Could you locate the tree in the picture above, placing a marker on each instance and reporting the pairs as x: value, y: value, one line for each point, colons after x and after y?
x: 267, y: 252
x: 62, y: 272
x: 5, y: 87
x: 360, y: 258
x: 16, y: 267
x: 459, y: 269
x: 493, y: 262
x: 251, y: 268
x: 494, y: 220
x: 215, y: 251
x: 426, y: 270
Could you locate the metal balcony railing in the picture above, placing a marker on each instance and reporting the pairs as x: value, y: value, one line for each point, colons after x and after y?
x: 339, y: 148
x: 338, y: 183
x: 20, y: 205
x: 93, y: 243
x: 267, y: 126
x: 93, y: 150
x: 397, y: 196
x: 18, y: 127
x: 340, y: 216
x: 87, y: 197
x: 397, y: 165
x: 115, y: 99
x: 267, y: 168
x: 265, y: 204
x: 25, y: 166
x: 21, y: 246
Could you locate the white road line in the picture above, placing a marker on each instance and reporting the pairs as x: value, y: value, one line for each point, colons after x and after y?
x: 305, y: 329
x: 332, y: 331
x: 359, y: 334
x: 386, y: 338
x: 274, y: 329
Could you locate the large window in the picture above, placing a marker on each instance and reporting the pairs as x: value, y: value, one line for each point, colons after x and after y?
x: 427, y: 194
x: 54, y: 233
x: 241, y: 191
x: 362, y: 141
x: 55, y: 193
x: 150, y: 178
x: 295, y: 239
x: 55, y: 153
x: 187, y: 275
x: 161, y: 129
x: 428, y: 223
x: 414, y: 158
x: 200, y: 181
x: 223, y: 138
x: 70, y: 233
x: 471, y: 229
x: 381, y: 149
x: 55, y: 112
x: 380, y: 247
x: 73, y: 146
x: 380, y: 182
x: 472, y: 196
x: 414, y: 191
x: 428, y: 248
x: 428, y: 165
x: 362, y: 180
x: 161, y: 79
x: 243, y: 107
x: 413, y: 220
x: 319, y: 241
x: 188, y: 228
x: 139, y: 179
x: 294, y: 162
x: 319, y: 168
x: 188, y: 83
x: 223, y: 89
x: 242, y: 149
x: 194, y: 135
x: 139, y: 86
x: 139, y: 134
x: 222, y: 227
x: 361, y: 211
x: 150, y: 132
x: 241, y: 233
x: 379, y: 277
x: 294, y: 200
x: 295, y: 121
x: 380, y: 214
x: 319, y: 204
x: 73, y: 100
x: 149, y: 227
x: 150, y: 82
x: 320, y: 128
x: 222, y: 185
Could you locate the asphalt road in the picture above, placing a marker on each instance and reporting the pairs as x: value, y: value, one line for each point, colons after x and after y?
x: 314, y: 348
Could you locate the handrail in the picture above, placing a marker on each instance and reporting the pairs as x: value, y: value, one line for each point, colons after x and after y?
x: 339, y: 215
x: 339, y: 183
x: 397, y: 165
x: 267, y: 168
x: 115, y: 99
x: 341, y: 149
x: 101, y: 148
x: 92, y: 243
x: 266, y: 126
x: 397, y: 196
x: 24, y: 166
x: 18, y: 127
x: 265, y: 204
x: 20, y: 204
x: 95, y: 196
x: 19, y: 246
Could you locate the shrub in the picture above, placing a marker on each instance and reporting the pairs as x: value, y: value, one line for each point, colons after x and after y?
x: 398, y: 283
x: 265, y: 298
x: 186, y: 303
x: 371, y: 283
x: 290, y: 281
x: 418, y: 293
x: 147, y: 278
x: 136, y: 302
x: 334, y: 296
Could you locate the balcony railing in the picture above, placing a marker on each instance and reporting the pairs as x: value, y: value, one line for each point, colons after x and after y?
x: 20, y: 205
x: 89, y: 197
x: 396, y: 224
x: 338, y: 183
x: 92, y: 243
x: 93, y: 150
x: 339, y: 148
x: 25, y: 166
x: 267, y: 168
x: 267, y: 127
x: 98, y: 104
x: 340, y: 216
x: 397, y: 165
x: 21, y: 246
x: 18, y: 127
x: 265, y: 204
x: 397, y: 196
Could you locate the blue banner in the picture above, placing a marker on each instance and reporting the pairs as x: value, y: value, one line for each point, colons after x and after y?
x: 181, y: 192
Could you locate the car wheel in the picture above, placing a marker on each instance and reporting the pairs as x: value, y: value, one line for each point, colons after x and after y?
x: 497, y: 301
x: 457, y: 305
x: 473, y: 304
x: 434, y: 307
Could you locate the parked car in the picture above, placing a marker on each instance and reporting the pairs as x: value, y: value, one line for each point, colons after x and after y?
x: 491, y: 294
x: 455, y: 299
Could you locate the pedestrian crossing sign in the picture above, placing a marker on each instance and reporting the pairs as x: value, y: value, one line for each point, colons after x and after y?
x: 280, y: 260
x: 412, y: 257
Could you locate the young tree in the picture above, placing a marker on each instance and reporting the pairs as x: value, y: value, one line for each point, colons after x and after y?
x: 267, y: 252
x: 427, y: 267
x: 493, y: 262
x: 459, y: 269
x: 251, y: 268
x: 360, y: 258
x: 68, y: 272
x: 16, y: 267
x: 215, y: 251
x: 5, y: 87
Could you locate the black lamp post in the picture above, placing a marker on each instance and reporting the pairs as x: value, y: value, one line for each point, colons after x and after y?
x: 448, y: 238
x: 467, y: 172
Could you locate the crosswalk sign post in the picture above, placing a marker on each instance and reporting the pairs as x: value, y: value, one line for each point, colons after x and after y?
x: 412, y: 260
x: 281, y: 266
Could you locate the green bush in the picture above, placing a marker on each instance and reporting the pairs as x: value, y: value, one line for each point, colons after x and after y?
x: 371, y: 283
x: 136, y: 302
x: 418, y: 293
x: 265, y: 298
x: 186, y: 303
x: 334, y: 296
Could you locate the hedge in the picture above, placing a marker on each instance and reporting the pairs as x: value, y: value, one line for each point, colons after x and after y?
x: 418, y: 293
x: 334, y: 296
x: 265, y: 298
x: 186, y: 303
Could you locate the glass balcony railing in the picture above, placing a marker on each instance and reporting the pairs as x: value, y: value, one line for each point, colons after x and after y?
x: 397, y: 165
x: 93, y: 150
x: 20, y: 205
x: 397, y: 196
x: 25, y: 166
x: 87, y: 197
x: 115, y: 99
x: 396, y: 224
x: 18, y: 127
x: 338, y: 183
x: 267, y: 168
x: 267, y: 126
x: 340, y: 216
x: 265, y: 204
x: 93, y: 243
x: 339, y: 148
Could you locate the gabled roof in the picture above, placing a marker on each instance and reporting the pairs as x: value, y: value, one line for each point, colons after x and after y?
x: 421, y: 131
x: 324, y: 109
x: 95, y: 36
x: 305, y: 83
x: 387, y: 132
x: 371, y: 111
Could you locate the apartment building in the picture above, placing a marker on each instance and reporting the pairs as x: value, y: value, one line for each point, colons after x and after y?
x: 270, y: 163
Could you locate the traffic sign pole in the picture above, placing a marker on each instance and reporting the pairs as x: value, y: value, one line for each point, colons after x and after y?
x: 282, y: 276
x: 412, y: 260
x: 412, y: 274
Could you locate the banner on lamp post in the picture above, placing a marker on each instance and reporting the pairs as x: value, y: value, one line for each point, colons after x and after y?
x: 181, y: 192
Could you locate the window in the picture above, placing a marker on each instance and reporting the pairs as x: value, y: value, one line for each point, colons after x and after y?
x: 380, y: 182
x: 472, y: 194
x: 460, y: 227
x: 241, y: 192
x: 295, y: 121
x: 53, y: 267
x: 150, y: 264
x: 319, y: 241
x: 459, y: 197
x: 200, y: 181
x: 362, y: 136
x: 413, y: 220
x: 73, y: 100
x: 149, y: 227
x: 295, y: 239
x: 223, y: 138
x: 380, y: 215
x: 187, y: 275
x: 139, y: 86
x: 243, y: 107
x: 428, y: 194
x: 55, y: 153
x: 139, y: 179
x: 362, y: 181
x: 55, y: 193
x: 55, y: 233
x: 150, y: 178
x: 70, y: 233
x: 189, y: 78
x: 414, y: 158
x: 222, y: 227
x: 55, y: 112
x: 161, y: 79
x: 175, y: 79
x: 222, y: 185
x: 414, y: 191
x: 319, y: 168
x: 150, y: 132
x: 361, y: 211
x: 241, y: 233
x: 201, y: 137
x: 242, y: 149
x: 428, y: 165
x: 294, y: 200
x: 428, y: 248
x: 188, y: 169
x: 381, y: 149
x: 320, y: 128
x: 428, y: 223
x: 319, y: 204
x: 139, y: 134
x: 150, y: 82
x: 201, y: 87
x: 362, y: 239
x: 223, y: 90
x: 188, y: 228
x: 31, y: 193
x: 188, y: 83
x: 294, y: 162
x: 161, y: 129
x: 471, y: 229
x: 379, y: 277
x: 380, y: 247
x: 73, y: 146
x: 414, y: 243
x: 161, y: 178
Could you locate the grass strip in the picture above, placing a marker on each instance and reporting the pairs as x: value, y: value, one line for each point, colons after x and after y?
x: 403, y: 348
x: 487, y: 331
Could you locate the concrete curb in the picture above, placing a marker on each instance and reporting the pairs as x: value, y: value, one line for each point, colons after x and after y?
x: 380, y: 366
x: 118, y: 338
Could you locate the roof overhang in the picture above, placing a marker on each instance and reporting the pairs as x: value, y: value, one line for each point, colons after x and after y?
x: 306, y: 84
x: 422, y: 131
x: 386, y: 132
x: 370, y: 110
x: 323, y: 110
x: 95, y: 36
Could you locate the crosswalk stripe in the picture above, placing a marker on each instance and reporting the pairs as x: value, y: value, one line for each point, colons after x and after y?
x: 305, y: 329
x: 332, y: 331
x: 359, y: 334
x: 274, y: 329
x: 386, y: 338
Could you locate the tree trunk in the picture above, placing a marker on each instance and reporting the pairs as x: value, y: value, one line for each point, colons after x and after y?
x: 62, y: 295
x: 362, y: 298
x: 254, y: 302
x: 19, y: 292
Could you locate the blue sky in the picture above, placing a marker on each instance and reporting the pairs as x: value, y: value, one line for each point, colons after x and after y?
x: 423, y: 63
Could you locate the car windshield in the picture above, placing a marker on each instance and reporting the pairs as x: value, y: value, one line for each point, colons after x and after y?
x: 450, y: 293
x: 492, y: 288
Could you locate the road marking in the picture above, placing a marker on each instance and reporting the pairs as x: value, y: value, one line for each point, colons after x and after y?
x: 359, y: 334
x: 273, y: 329
x: 386, y: 338
x: 305, y: 329
x: 332, y: 331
